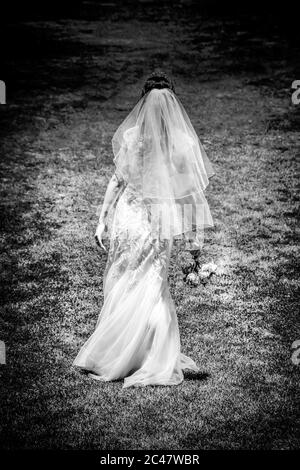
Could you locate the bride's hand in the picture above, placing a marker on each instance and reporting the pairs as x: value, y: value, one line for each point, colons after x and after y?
x: 101, y: 228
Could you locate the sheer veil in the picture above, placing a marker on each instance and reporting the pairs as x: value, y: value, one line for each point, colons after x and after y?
x: 157, y: 152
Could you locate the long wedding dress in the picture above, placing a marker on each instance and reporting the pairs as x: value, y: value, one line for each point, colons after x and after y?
x: 137, y: 335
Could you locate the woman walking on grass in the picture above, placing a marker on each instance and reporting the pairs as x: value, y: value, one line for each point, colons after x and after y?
x: 155, y: 197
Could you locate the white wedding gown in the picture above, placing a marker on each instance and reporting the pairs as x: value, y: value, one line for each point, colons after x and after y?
x: 136, y: 336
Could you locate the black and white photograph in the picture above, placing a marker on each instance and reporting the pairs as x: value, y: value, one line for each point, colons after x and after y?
x: 150, y: 157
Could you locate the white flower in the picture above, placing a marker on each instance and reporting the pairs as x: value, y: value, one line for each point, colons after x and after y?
x: 208, y: 268
x: 192, y: 279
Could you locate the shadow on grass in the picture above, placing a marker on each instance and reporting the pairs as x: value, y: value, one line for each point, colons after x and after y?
x: 188, y: 375
x: 203, y: 376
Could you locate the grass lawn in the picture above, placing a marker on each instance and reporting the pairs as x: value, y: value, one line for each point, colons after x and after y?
x: 72, y: 83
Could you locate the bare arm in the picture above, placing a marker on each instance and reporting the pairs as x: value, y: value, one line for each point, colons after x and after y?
x: 112, y: 193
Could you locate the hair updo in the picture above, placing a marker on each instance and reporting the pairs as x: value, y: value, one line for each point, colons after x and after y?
x: 157, y: 79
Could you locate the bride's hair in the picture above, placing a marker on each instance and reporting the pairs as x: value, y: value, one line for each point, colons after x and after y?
x: 157, y: 79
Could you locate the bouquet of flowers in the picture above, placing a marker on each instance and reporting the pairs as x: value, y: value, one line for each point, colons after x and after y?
x: 194, y: 273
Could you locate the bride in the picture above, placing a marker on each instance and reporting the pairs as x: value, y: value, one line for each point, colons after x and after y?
x: 154, y: 199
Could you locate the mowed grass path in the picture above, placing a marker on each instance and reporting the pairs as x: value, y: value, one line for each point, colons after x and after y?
x: 56, y: 162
